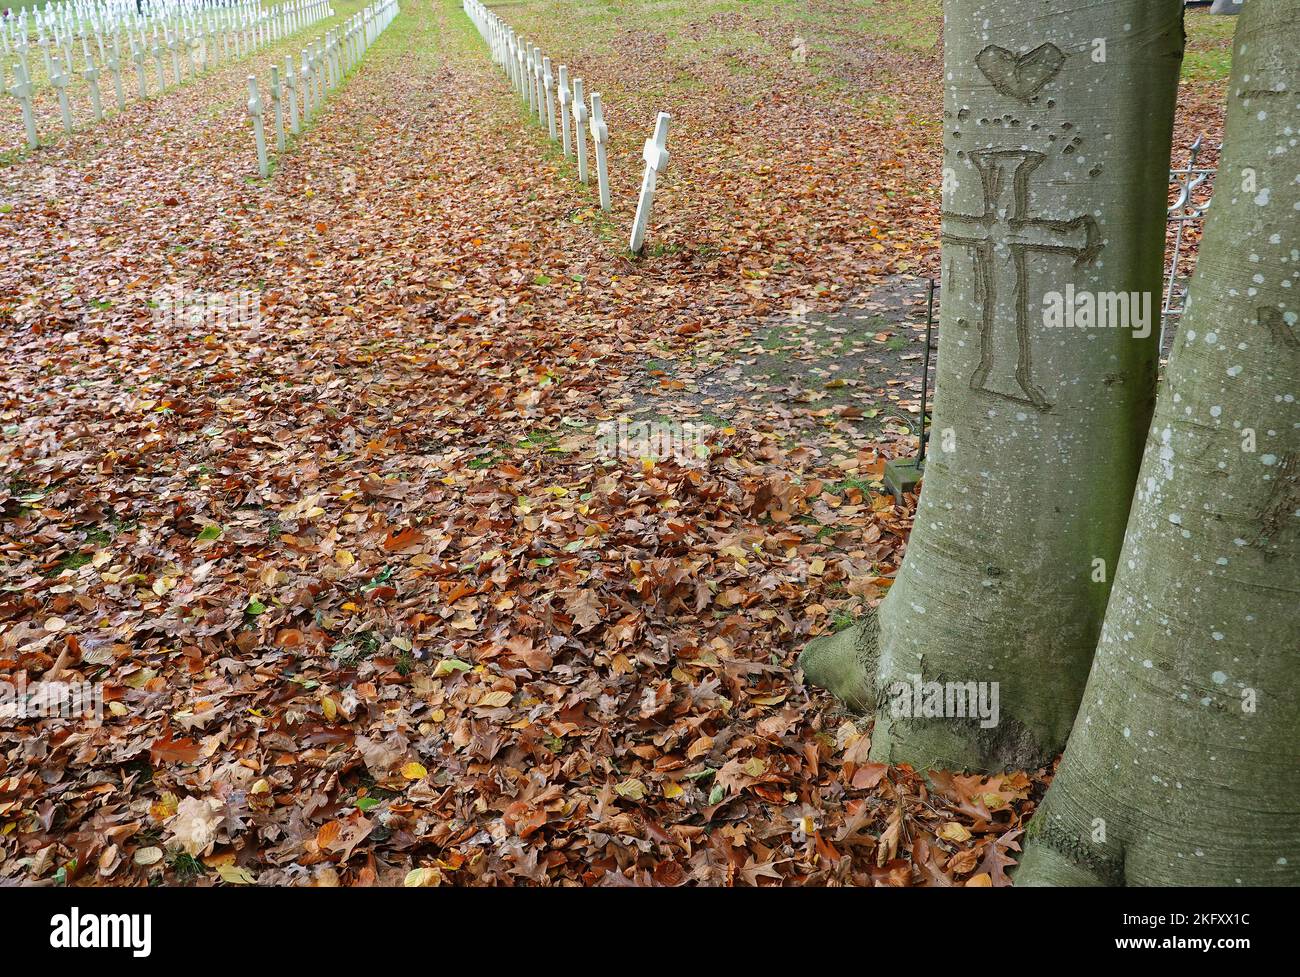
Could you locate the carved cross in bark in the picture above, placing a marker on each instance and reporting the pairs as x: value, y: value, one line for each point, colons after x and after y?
x: 1001, y: 240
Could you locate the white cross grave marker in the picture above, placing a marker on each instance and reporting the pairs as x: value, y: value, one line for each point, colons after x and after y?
x: 114, y: 62
x: 91, y: 74
x: 304, y: 77
x: 656, y: 158
x: 259, y: 134
x: 600, y: 136
x: 580, y: 116
x: 291, y: 90
x: 158, y: 61
x: 138, y: 55
x: 22, y: 89
x: 173, y: 45
x: 60, y: 81
x: 548, y: 85
x: 565, y: 98
x: 533, y: 68
x: 278, y: 102
x: 538, y: 93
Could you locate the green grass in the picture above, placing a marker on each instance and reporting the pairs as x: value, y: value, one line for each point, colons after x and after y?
x: 722, y: 29
x: 909, y: 26
x: 1209, y: 46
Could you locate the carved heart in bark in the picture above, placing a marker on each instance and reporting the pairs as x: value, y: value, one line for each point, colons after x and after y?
x: 1020, y: 76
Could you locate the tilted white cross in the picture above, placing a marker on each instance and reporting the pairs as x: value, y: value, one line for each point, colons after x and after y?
x: 655, y: 154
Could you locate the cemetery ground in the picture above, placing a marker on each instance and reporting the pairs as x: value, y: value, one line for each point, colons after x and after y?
x: 364, y: 599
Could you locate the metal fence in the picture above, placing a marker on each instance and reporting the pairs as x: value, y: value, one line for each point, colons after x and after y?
x: 1194, y: 185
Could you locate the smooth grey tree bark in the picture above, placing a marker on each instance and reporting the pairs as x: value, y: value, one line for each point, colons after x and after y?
x: 1183, y: 764
x: 1058, y: 120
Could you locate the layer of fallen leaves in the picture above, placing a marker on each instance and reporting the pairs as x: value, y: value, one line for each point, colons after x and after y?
x: 366, y: 604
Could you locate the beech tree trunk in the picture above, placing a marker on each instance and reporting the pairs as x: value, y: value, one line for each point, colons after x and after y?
x: 1182, y: 766
x: 1058, y: 120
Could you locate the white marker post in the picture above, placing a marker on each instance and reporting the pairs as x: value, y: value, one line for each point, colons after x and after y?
x: 600, y: 136
x: 528, y: 80
x: 521, y: 67
x: 580, y: 117
x: 139, y: 56
x: 291, y: 89
x: 114, y: 63
x: 158, y: 62
x: 304, y: 79
x: 548, y: 86
x: 91, y: 74
x: 656, y: 158
x: 173, y: 46
x: 60, y: 82
x: 540, y: 95
x: 277, y: 101
x: 22, y: 89
x: 565, y: 98
x: 259, y: 134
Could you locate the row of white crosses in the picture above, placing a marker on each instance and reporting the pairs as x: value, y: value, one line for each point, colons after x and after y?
x: 214, y: 31
x: 326, y: 63
x: 529, y: 71
x: 193, y: 41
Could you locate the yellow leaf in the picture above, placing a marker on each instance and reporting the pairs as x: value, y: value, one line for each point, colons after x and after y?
x: 952, y: 831
x: 631, y: 788
x: 422, y: 878
x: 499, y: 698
x: 235, y: 875
x: 672, y: 790
x: 329, y: 708
x: 148, y: 856
x: 344, y: 559
x: 414, y: 771
x: 981, y: 881
x: 164, y: 807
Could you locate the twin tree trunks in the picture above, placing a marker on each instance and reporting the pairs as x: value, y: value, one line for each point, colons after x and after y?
x: 1055, y: 173
x: 1058, y: 121
x: 1182, y: 766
